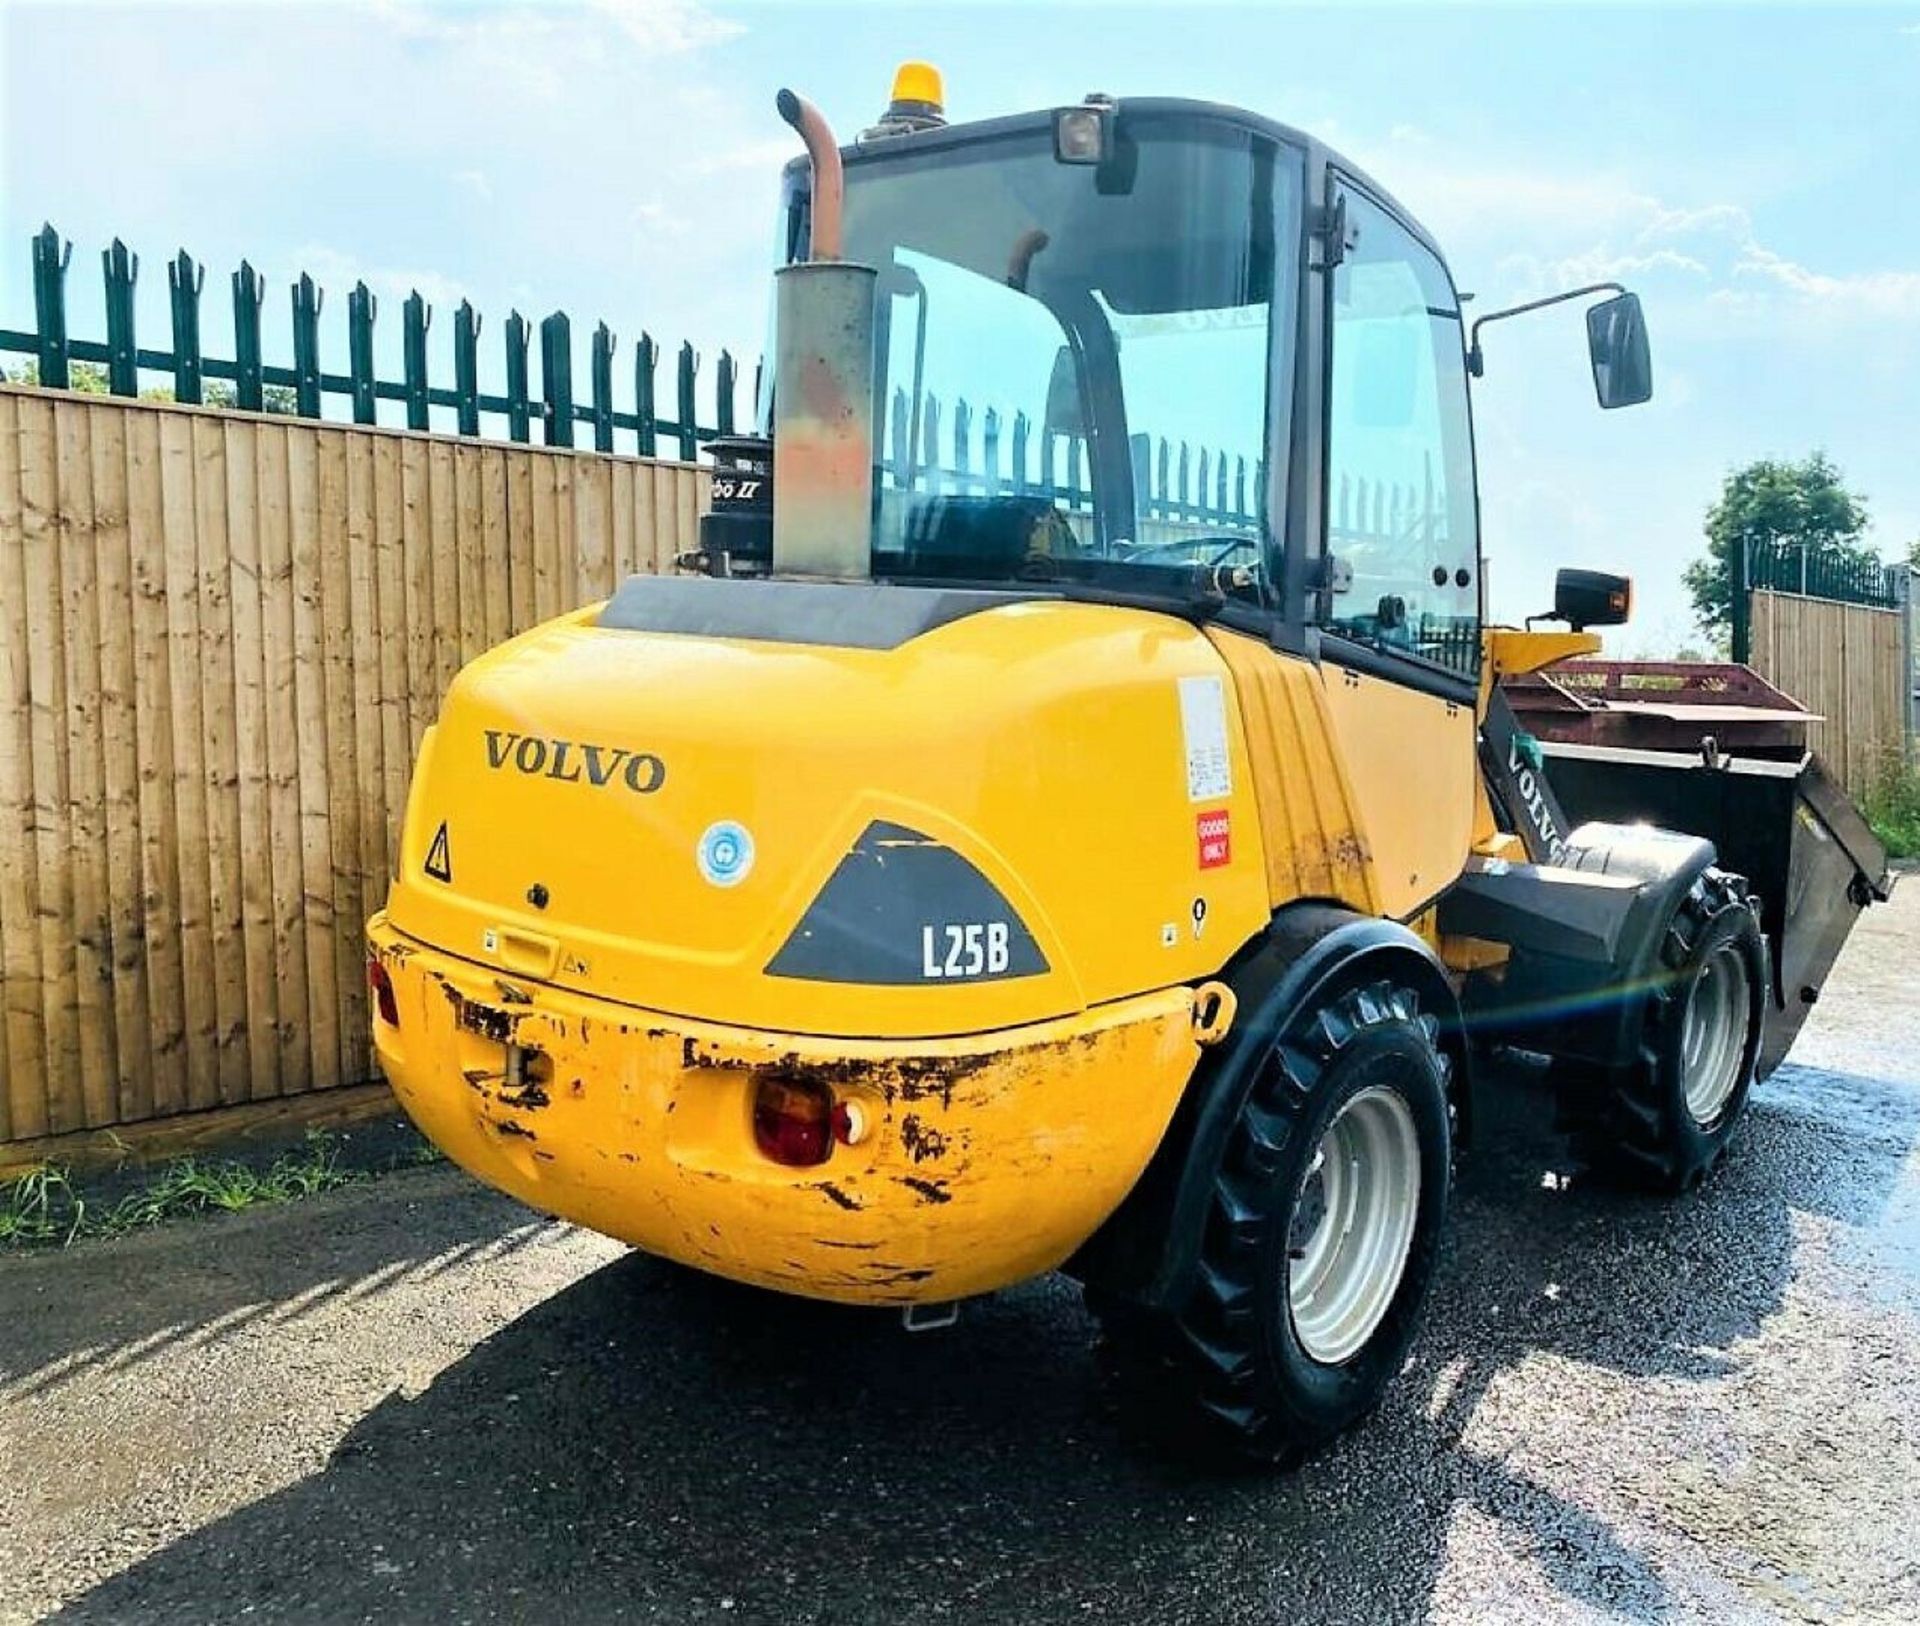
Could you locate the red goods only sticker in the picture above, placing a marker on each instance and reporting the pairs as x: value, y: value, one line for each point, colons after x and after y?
x: 1216, y: 838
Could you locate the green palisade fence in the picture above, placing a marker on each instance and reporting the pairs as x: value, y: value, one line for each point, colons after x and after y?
x: 1793, y: 568
x: 307, y: 382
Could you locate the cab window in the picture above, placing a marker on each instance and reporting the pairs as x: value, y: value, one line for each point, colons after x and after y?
x: 1402, y: 531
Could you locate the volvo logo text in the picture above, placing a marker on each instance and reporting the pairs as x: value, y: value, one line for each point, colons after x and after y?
x: 568, y: 760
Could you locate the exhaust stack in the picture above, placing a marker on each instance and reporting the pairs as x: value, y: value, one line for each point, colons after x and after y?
x: 822, y: 384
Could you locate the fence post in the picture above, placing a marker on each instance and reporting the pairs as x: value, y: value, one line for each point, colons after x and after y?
x: 519, y: 416
x: 184, y: 282
x: 1738, y: 575
x: 51, y: 257
x: 466, y: 367
x: 1907, y: 601
x: 898, y: 439
x: 248, y: 293
x: 556, y: 377
x: 603, y: 342
x: 123, y: 363
x: 686, y: 410
x: 1021, y: 430
x: 307, y: 300
x: 962, y: 439
x: 415, y: 319
x: 1140, y: 471
x: 723, y: 383
x: 362, y: 307
x: 646, y: 356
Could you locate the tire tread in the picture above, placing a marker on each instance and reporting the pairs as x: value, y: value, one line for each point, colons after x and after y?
x: 1185, y: 1378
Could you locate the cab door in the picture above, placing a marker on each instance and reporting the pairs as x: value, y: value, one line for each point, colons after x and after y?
x: 1399, y: 607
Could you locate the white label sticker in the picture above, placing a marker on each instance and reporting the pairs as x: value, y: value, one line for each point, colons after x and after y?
x: 1203, y: 724
x: 973, y: 949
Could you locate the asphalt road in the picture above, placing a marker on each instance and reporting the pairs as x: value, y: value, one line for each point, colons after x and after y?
x: 413, y: 1401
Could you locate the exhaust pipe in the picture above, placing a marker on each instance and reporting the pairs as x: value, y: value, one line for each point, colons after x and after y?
x: 822, y: 383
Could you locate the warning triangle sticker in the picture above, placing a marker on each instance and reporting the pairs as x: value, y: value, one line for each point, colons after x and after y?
x: 439, y: 859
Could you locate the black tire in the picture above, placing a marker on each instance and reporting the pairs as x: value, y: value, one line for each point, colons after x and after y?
x: 1632, y: 1124
x: 1228, y: 1378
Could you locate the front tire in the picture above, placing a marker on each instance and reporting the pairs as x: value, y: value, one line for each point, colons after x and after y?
x: 1664, y: 1119
x: 1321, y: 1240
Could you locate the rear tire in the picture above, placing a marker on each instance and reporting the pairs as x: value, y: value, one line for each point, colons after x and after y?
x: 1663, y: 1120
x: 1321, y: 1239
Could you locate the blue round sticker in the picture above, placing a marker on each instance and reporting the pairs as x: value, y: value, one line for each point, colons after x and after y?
x: 725, y: 853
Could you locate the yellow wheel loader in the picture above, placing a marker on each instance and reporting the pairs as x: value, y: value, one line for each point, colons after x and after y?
x: 979, y: 862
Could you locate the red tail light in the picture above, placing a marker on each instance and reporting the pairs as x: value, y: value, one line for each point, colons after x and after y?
x: 381, y: 986
x: 793, y: 1120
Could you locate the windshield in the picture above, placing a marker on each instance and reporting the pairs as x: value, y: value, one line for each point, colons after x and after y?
x: 1074, y: 362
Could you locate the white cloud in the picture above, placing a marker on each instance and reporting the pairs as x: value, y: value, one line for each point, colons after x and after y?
x: 659, y: 26
x: 337, y: 271
x: 1875, y: 294
x: 1599, y: 228
x: 1598, y: 264
x: 651, y: 217
x: 541, y: 50
x: 667, y: 25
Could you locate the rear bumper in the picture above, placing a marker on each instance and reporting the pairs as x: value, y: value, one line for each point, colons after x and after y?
x: 990, y: 1157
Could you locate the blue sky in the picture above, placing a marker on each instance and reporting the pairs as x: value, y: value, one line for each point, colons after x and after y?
x: 1754, y: 172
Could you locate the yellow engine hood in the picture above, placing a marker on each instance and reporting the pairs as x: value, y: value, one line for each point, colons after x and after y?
x: 647, y: 816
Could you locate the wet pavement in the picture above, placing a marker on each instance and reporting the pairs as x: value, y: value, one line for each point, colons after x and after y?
x: 413, y: 1401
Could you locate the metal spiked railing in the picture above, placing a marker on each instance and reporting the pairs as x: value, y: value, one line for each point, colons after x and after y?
x: 562, y: 413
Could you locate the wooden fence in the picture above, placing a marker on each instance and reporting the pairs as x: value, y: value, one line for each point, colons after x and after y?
x: 221, y: 636
x: 1846, y: 662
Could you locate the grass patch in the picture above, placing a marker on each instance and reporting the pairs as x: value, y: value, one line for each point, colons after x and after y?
x: 1892, y: 806
x: 45, y: 1205
x: 41, y: 1206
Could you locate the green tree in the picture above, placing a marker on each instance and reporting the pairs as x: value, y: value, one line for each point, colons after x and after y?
x: 90, y: 378
x: 1774, y: 502
x: 275, y: 398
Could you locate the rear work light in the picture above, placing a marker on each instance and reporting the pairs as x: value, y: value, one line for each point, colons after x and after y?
x: 380, y: 985
x: 793, y: 1120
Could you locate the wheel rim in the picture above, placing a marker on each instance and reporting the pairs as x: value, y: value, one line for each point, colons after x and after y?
x: 1713, y: 1038
x: 1352, y: 1226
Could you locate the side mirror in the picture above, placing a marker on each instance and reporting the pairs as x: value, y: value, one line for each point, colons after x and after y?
x: 1064, y: 416
x: 1592, y: 598
x: 1617, y: 343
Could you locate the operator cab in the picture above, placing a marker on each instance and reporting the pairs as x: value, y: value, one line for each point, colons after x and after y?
x: 1163, y: 352
x: 1083, y: 357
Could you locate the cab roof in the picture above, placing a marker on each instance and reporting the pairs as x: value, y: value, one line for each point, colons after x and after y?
x: 1317, y: 153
